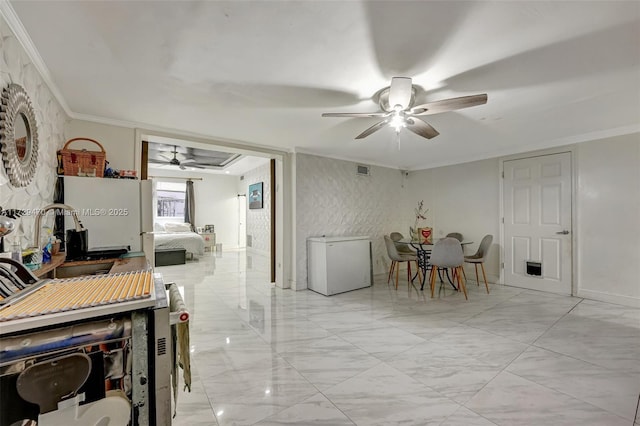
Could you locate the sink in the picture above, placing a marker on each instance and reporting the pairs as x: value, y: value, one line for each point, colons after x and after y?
x: 78, y: 270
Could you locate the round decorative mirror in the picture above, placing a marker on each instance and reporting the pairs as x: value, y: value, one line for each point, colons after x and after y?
x: 22, y: 134
x: 18, y: 136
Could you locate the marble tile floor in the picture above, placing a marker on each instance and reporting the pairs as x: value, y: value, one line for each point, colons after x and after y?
x: 377, y: 356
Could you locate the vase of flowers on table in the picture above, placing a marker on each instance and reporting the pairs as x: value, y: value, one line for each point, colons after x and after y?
x: 420, y: 215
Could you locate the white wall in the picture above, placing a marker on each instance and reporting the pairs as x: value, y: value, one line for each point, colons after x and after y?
x: 462, y: 198
x: 332, y: 200
x: 118, y: 142
x: 259, y: 220
x: 608, y: 215
x: 15, y: 67
x: 216, y: 203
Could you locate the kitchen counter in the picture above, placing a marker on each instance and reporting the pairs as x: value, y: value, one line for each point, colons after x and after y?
x: 49, y: 268
x: 116, y: 265
x: 129, y: 264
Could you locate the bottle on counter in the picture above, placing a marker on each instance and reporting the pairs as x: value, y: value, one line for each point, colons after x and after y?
x: 46, y: 253
x: 47, y: 242
x: 16, y: 252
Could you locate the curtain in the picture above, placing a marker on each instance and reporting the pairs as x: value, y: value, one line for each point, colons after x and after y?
x: 190, y: 206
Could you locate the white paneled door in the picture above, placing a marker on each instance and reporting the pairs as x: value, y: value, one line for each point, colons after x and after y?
x: 537, y: 223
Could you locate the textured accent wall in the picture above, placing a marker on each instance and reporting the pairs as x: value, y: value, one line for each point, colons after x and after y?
x: 332, y: 200
x: 259, y: 220
x: 16, y: 67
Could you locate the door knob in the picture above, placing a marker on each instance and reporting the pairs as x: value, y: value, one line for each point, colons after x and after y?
x: 563, y: 232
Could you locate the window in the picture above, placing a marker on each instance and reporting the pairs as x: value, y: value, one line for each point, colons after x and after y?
x: 170, y: 200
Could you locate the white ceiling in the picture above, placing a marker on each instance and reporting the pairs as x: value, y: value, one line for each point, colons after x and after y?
x: 262, y: 72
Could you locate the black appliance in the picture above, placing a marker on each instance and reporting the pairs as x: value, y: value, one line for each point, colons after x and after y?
x: 77, y: 248
x: 77, y: 244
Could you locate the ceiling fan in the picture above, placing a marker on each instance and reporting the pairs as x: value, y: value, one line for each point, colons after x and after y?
x: 182, y: 164
x: 396, y: 103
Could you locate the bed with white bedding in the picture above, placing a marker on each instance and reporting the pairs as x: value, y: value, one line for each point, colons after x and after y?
x: 178, y: 236
x: 190, y: 241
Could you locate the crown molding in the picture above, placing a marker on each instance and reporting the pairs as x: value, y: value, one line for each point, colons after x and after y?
x: 15, y: 25
x: 107, y: 121
x: 307, y: 151
x: 179, y: 134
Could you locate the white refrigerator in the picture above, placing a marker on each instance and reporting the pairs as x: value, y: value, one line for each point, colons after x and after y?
x: 115, y: 212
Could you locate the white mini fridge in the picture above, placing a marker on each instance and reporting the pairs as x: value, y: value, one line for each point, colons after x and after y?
x: 338, y: 264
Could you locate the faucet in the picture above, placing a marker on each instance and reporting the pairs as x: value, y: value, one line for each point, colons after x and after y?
x: 44, y: 211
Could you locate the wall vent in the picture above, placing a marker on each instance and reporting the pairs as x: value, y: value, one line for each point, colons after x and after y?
x: 362, y: 170
x: 162, y: 346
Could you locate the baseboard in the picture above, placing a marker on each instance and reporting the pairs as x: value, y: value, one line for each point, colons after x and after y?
x: 633, y: 302
x: 469, y: 269
x: 297, y: 286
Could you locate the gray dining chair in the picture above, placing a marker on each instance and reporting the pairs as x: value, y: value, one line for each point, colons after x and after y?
x: 447, y: 253
x: 397, y: 259
x: 456, y: 235
x: 402, y: 248
x: 479, y: 257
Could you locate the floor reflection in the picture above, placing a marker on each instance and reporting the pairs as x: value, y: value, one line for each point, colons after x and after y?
x: 267, y: 356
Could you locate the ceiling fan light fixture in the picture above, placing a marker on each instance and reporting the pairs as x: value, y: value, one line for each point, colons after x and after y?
x: 403, y: 114
x: 398, y: 121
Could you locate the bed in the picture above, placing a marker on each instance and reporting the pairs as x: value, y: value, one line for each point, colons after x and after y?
x: 170, y: 239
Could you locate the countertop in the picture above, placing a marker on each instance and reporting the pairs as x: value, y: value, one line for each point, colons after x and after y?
x: 56, y: 260
x: 119, y: 265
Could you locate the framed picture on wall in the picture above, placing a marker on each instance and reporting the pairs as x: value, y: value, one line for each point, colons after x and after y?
x: 255, y: 196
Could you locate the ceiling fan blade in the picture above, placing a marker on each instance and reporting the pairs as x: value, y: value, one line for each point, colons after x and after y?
x: 379, y: 125
x: 355, y: 114
x: 165, y: 157
x: 449, y: 104
x: 400, y: 92
x: 421, y: 128
x: 190, y: 166
x: 188, y: 160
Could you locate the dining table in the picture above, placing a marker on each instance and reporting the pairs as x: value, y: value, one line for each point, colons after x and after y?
x: 423, y: 253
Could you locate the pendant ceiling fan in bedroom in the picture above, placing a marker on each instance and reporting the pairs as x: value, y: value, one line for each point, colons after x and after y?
x: 398, y: 112
x: 189, y: 162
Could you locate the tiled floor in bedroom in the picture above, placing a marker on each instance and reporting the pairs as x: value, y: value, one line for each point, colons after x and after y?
x: 378, y: 356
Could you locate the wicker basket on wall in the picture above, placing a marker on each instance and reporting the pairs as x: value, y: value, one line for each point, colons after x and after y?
x: 81, y: 162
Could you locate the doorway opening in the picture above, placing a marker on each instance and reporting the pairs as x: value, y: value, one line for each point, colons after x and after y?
x: 224, y: 213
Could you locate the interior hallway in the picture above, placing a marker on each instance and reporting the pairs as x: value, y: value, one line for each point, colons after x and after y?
x: 265, y: 356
